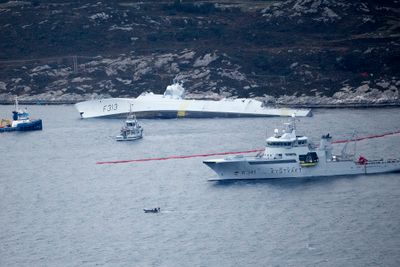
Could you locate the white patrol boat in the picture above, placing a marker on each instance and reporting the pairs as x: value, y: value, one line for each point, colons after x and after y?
x: 172, y: 104
x: 288, y: 155
x: 131, y: 130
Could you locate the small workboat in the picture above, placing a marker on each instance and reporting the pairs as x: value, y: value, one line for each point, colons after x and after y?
x: 20, y: 122
x: 131, y: 130
x: 155, y: 210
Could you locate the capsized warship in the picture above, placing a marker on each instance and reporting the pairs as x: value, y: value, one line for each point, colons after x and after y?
x: 288, y: 155
x: 172, y: 104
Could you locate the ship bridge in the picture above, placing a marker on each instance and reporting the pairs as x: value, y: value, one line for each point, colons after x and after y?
x: 286, y: 144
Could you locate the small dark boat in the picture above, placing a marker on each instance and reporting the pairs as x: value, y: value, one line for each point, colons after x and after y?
x: 155, y: 210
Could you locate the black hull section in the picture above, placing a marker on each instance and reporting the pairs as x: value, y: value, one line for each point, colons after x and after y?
x: 35, y: 125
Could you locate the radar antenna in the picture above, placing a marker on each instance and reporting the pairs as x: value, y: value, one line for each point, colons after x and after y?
x: 294, y: 120
x: 291, y: 125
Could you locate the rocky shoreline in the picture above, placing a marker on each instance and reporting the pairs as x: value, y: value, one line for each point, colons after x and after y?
x: 332, y: 104
x: 297, y: 53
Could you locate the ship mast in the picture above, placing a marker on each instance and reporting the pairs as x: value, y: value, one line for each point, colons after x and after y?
x: 344, y: 153
x: 16, y: 104
x: 294, y: 125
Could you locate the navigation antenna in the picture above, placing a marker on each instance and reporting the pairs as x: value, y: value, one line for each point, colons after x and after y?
x: 16, y: 104
x: 294, y: 123
x: 294, y: 120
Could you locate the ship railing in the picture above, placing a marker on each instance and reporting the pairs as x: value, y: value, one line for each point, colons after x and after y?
x: 341, y: 158
x: 376, y: 161
x: 380, y: 161
x: 260, y: 154
x: 234, y: 157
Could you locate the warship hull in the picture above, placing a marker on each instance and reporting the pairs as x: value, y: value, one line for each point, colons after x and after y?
x: 158, y: 106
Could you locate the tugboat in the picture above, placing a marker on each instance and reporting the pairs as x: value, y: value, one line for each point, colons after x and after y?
x: 20, y: 122
x: 288, y: 155
x: 131, y: 130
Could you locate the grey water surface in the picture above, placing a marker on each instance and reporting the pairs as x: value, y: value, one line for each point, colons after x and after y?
x: 59, y: 208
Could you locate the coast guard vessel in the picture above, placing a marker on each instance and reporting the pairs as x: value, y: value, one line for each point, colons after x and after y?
x: 20, y: 122
x: 288, y: 155
x: 172, y: 104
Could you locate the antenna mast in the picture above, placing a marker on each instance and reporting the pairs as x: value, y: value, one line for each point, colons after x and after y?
x: 16, y: 104
x: 344, y: 150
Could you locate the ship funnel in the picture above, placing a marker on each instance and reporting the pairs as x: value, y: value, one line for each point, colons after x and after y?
x: 326, y: 144
x: 175, y: 91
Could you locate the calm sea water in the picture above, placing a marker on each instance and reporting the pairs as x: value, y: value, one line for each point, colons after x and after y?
x: 58, y: 208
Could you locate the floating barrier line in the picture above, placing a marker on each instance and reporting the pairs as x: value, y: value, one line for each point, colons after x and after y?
x: 235, y: 152
x: 181, y: 157
x: 366, y: 137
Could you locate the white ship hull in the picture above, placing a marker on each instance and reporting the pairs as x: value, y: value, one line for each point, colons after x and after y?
x: 244, y: 168
x: 158, y: 106
x: 128, y: 138
x: 288, y: 155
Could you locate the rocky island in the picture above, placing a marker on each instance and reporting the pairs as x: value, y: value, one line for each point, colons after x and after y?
x: 317, y: 53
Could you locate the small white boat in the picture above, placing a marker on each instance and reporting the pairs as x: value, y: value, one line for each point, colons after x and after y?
x: 131, y: 130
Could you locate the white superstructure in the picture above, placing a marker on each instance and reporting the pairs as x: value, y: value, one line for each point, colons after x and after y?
x: 131, y: 130
x: 172, y: 104
x: 288, y: 155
